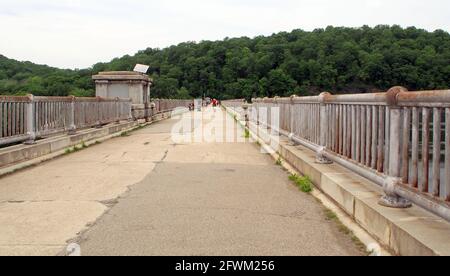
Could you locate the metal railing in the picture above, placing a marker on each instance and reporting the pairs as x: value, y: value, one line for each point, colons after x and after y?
x: 13, y: 119
x: 162, y: 105
x: 398, y: 139
x: 27, y: 118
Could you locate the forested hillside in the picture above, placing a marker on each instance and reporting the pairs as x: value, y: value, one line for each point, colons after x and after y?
x: 20, y: 78
x: 339, y: 60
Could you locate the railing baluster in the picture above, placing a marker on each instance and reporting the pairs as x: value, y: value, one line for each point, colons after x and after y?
x: 358, y: 134
x: 354, y: 131
x: 415, y: 148
x: 14, y: 118
x: 31, y: 122
x: 368, y: 135
x: 9, y: 132
x: 374, y: 136
x: 336, y: 129
x: 351, y: 126
x: 424, y: 187
x: 436, y: 179
x: 447, y: 154
x: 330, y: 127
x: 405, y: 144
x: 340, y: 128
x: 345, y: 131
x: 363, y: 134
x: 318, y: 112
x: 387, y: 139
x: 2, y: 118
x: 333, y: 128
x: 381, y: 139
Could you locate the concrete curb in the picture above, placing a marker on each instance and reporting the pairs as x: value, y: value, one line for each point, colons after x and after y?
x: 407, y: 232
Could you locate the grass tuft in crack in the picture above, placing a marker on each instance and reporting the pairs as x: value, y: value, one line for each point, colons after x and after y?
x: 125, y: 134
x: 302, y: 182
x: 247, y: 134
x: 331, y: 216
x: 279, y: 162
x: 80, y: 147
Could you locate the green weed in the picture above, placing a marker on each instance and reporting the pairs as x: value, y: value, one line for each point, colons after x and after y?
x: 302, y: 182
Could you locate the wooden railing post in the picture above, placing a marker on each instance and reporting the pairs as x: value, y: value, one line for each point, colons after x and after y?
x: 31, y: 131
x: 72, y: 126
x: 324, y: 121
x: 391, y: 199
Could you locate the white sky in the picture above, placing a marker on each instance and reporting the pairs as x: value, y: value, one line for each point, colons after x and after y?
x: 79, y: 33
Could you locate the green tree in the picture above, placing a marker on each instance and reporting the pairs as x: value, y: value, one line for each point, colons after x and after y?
x: 164, y: 88
x: 279, y: 83
x: 337, y: 59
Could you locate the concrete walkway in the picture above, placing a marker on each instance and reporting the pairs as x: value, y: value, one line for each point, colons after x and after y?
x: 175, y: 199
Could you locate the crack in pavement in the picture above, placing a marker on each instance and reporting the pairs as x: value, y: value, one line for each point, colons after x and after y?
x: 38, y: 244
x: 104, y: 202
x: 294, y: 215
x: 166, y: 153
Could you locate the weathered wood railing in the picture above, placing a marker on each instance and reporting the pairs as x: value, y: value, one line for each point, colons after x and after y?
x: 27, y: 118
x: 398, y: 139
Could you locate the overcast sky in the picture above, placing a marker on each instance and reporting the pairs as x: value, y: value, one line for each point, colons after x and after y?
x: 79, y: 33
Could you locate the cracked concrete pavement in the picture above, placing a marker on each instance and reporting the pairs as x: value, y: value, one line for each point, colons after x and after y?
x: 41, y: 208
x: 145, y: 195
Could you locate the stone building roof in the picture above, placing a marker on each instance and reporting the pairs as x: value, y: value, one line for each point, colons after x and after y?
x: 121, y: 76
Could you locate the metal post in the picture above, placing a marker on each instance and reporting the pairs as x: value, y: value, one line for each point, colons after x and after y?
x: 130, y: 111
x: 99, y: 121
x: 391, y: 199
x: 72, y: 126
x: 146, y: 112
x: 117, y: 105
x: 246, y: 106
x: 31, y: 132
x: 320, y: 158
x: 292, y: 118
x: 152, y: 106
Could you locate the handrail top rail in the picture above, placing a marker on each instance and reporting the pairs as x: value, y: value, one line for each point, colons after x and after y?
x: 30, y: 98
x: 402, y: 98
x: 23, y: 99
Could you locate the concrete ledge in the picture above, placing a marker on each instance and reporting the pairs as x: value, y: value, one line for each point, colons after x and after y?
x: 406, y: 232
x: 22, y: 156
x: 20, y: 153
